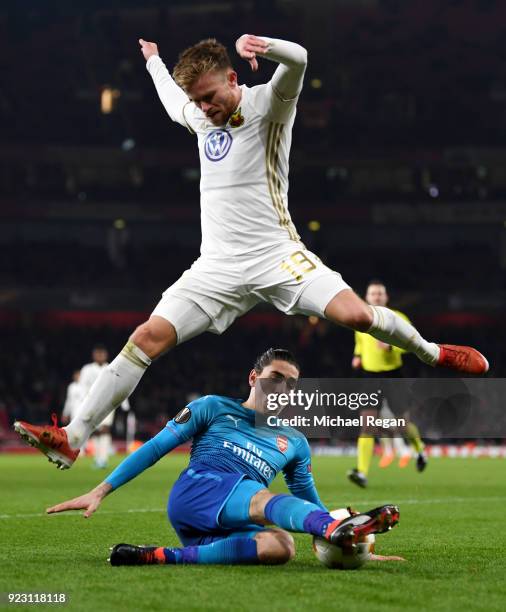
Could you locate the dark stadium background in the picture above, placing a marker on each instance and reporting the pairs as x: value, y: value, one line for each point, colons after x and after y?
x: 398, y: 158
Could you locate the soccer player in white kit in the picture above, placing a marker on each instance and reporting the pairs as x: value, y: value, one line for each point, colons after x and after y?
x: 250, y: 251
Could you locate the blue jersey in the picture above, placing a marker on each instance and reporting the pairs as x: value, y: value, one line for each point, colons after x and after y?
x: 226, y: 439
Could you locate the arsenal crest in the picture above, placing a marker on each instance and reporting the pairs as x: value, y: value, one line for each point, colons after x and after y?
x: 282, y: 443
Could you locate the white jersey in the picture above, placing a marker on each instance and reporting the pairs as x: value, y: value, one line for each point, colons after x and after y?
x: 244, y: 165
x: 73, y: 399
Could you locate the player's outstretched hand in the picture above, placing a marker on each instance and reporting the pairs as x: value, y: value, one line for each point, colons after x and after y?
x: 148, y: 48
x: 88, y: 502
x: 248, y: 46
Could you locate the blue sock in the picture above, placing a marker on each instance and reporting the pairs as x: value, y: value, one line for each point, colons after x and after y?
x: 229, y: 551
x: 295, y: 514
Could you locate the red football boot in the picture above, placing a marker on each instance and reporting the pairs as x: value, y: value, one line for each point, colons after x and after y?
x: 462, y: 359
x: 50, y: 440
x: 348, y: 532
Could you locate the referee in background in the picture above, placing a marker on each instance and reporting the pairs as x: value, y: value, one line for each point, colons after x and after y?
x: 378, y: 359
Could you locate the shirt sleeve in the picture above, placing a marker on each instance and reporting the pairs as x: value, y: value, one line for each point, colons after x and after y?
x: 298, y: 475
x: 188, y: 422
x: 279, y: 97
x: 177, y: 104
x: 143, y: 458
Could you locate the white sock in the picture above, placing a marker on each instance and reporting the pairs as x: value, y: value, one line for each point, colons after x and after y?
x: 386, y: 446
x: 389, y: 327
x: 400, y: 447
x: 114, y: 384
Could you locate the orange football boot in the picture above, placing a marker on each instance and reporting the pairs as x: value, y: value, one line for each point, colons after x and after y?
x: 462, y: 358
x: 50, y: 440
x: 404, y: 460
x: 386, y: 459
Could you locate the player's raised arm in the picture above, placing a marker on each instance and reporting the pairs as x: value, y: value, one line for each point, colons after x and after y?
x: 298, y: 475
x: 292, y: 58
x: 171, y: 95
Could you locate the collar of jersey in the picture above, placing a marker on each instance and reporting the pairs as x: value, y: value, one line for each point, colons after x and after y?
x: 249, y: 412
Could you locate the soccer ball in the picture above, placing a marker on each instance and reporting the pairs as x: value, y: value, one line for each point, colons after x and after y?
x: 335, y: 557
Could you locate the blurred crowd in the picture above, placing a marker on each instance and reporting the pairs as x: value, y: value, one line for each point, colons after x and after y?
x: 383, y: 72
x: 384, y: 78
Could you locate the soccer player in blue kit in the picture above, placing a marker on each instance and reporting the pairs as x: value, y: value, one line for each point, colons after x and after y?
x: 221, y: 503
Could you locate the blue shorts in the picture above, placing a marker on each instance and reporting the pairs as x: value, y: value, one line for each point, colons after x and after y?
x: 197, y: 499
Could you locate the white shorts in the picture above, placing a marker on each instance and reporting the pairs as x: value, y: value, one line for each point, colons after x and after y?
x: 215, y: 291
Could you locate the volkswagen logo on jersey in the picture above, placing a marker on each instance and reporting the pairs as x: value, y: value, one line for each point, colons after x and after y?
x: 217, y: 145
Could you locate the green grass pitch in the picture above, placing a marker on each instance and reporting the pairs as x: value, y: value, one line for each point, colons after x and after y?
x: 452, y: 531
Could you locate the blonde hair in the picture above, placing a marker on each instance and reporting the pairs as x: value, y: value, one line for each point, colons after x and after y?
x: 195, y: 61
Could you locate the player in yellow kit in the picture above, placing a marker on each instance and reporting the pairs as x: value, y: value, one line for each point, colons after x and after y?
x: 376, y: 358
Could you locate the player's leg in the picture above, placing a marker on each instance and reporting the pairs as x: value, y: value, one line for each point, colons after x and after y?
x: 413, y: 435
x: 211, y: 530
x: 347, y: 309
x: 305, y: 285
x: 295, y: 514
x: 261, y: 546
x: 102, y: 447
x: 99, y: 448
x: 401, y: 449
x: 250, y: 502
x: 119, y: 379
x: 395, y: 434
x: 365, y: 450
x: 203, y: 501
x: 102, y: 441
x: 297, y: 282
x: 387, y: 451
x: 208, y: 297
x: 175, y: 320
x: 274, y: 546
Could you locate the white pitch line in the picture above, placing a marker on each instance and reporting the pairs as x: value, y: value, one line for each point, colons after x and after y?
x: 445, y: 500
x: 75, y: 513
